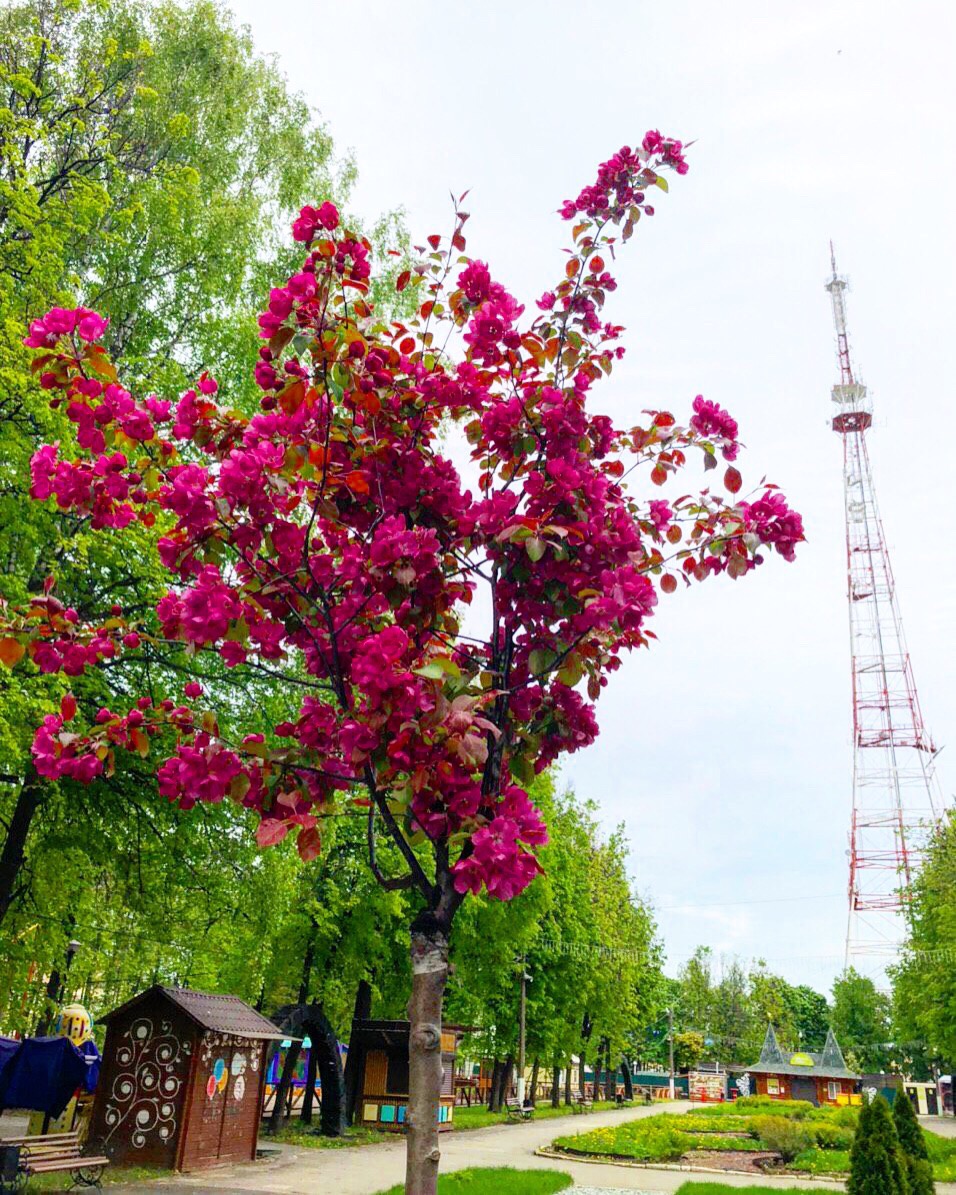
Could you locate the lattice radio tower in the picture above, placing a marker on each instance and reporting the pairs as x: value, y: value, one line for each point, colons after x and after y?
x: 896, y: 798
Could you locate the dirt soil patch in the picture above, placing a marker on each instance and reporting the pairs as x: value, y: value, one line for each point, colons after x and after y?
x: 730, y: 1159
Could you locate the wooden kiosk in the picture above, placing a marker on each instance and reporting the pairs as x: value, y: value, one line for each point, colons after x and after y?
x: 182, y: 1080
x: 383, y: 1074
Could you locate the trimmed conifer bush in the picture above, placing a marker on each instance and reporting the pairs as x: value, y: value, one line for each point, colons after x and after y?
x: 877, y: 1164
x: 919, y: 1170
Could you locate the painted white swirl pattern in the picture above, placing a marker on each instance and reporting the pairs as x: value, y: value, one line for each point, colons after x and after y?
x: 154, y: 1064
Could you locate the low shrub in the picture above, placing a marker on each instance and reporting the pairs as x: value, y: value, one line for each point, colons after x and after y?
x: 782, y: 1135
x: 831, y: 1136
x: 794, y: 1109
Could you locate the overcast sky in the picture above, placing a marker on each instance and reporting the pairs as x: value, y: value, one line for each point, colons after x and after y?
x: 726, y: 751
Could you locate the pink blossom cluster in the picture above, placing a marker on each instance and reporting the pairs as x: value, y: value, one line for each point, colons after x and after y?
x: 623, y: 178
x: 498, y: 858
x: 773, y: 522
x: 709, y: 419
x: 63, y: 321
x: 201, y: 770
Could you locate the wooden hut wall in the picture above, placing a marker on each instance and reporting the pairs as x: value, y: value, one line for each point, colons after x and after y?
x: 143, y: 1085
x: 225, y: 1100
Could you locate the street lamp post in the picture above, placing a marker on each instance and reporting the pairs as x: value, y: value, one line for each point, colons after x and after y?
x: 670, y: 1043
x: 522, y: 1011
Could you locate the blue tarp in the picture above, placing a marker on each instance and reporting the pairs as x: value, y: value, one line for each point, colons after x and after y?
x: 8, y: 1047
x: 42, y: 1075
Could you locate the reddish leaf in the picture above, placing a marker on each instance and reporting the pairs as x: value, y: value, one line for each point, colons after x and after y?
x: 356, y: 482
x: 402, y: 281
x: 67, y: 707
x: 309, y: 844
x: 270, y: 831
x: 658, y: 475
x: 732, y: 479
x: 11, y: 652
x: 434, y: 240
x: 668, y: 583
x: 407, y: 345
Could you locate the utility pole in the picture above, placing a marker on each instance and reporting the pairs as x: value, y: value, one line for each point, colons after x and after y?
x: 670, y: 1044
x: 522, y: 1008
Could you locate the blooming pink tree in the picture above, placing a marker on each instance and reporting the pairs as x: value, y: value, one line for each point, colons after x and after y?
x: 448, y: 639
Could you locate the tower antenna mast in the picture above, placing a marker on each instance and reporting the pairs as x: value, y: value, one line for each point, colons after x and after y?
x: 896, y: 797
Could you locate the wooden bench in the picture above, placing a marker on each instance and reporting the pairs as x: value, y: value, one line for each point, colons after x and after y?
x: 518, y: 1111
x: 580, y: 1103
x: 56, y: 1153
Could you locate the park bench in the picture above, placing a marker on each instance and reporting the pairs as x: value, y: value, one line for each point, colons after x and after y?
x: 518, y: 1111
x: 580, y: 1103
x: 57, y: 1153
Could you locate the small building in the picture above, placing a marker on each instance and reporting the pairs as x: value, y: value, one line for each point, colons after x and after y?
x: 182, y: 1080
x: 817, y: 1078
x: 923, y: 1094
x: 382, y: 1060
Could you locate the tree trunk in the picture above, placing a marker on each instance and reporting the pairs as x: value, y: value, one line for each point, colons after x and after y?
x: 626, y: 1076
x: 567, y: 1083
x: 14, y: 845
x: 535, y: 1067
x: 429, y: 953
x: 610, y: 1076
x: 353, y: 1061
x: 285, y: 1083
x: 555, y: 1087
x: 586, y: 1030
x: 507, y: 1072
x: 493, y: 1086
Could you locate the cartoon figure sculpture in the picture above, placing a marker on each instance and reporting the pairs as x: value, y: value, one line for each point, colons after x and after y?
x: 75, y: 1023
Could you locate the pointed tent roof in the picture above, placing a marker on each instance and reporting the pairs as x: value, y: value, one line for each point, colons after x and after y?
x: 828, y: 1065
x: 771, y: 1054
x: 832, y: 1054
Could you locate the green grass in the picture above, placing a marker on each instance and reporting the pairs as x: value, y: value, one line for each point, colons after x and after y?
x: 498, y: 1181
x: 299, y: 1134
x: 942, y: 1154
x: 479, y: 1117
x: 112, y: 1174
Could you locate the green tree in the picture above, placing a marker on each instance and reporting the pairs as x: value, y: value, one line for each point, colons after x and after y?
x: 732, y: 1016
x: 696, y: 995
x: 924, y: 985
x: 810, y: 1015
x: 151, y: 161
x: 688, y: 1050
x: 876, y: 1160
x: 861, y: 1021
x: 919, y: 1171
x: 768, y: 1000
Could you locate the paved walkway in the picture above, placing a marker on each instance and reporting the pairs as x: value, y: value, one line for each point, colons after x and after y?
x: 364, y: 1170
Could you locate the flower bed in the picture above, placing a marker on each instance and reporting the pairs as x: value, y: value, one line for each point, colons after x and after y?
x: 789, y: 1136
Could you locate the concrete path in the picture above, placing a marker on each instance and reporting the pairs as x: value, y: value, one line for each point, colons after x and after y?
x: 364, y: 1170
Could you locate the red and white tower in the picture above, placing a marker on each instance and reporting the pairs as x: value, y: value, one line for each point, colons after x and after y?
x: 896, y: 798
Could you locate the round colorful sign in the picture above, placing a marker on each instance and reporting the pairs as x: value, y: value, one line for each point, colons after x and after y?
x: 801, y: 1060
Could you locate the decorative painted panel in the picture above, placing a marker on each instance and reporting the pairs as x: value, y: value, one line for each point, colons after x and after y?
x: 143, y: 1100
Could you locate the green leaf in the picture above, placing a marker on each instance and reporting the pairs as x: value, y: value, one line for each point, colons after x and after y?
x: 662, y: 183
x: 433, y: 671
x: 535, y: 548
